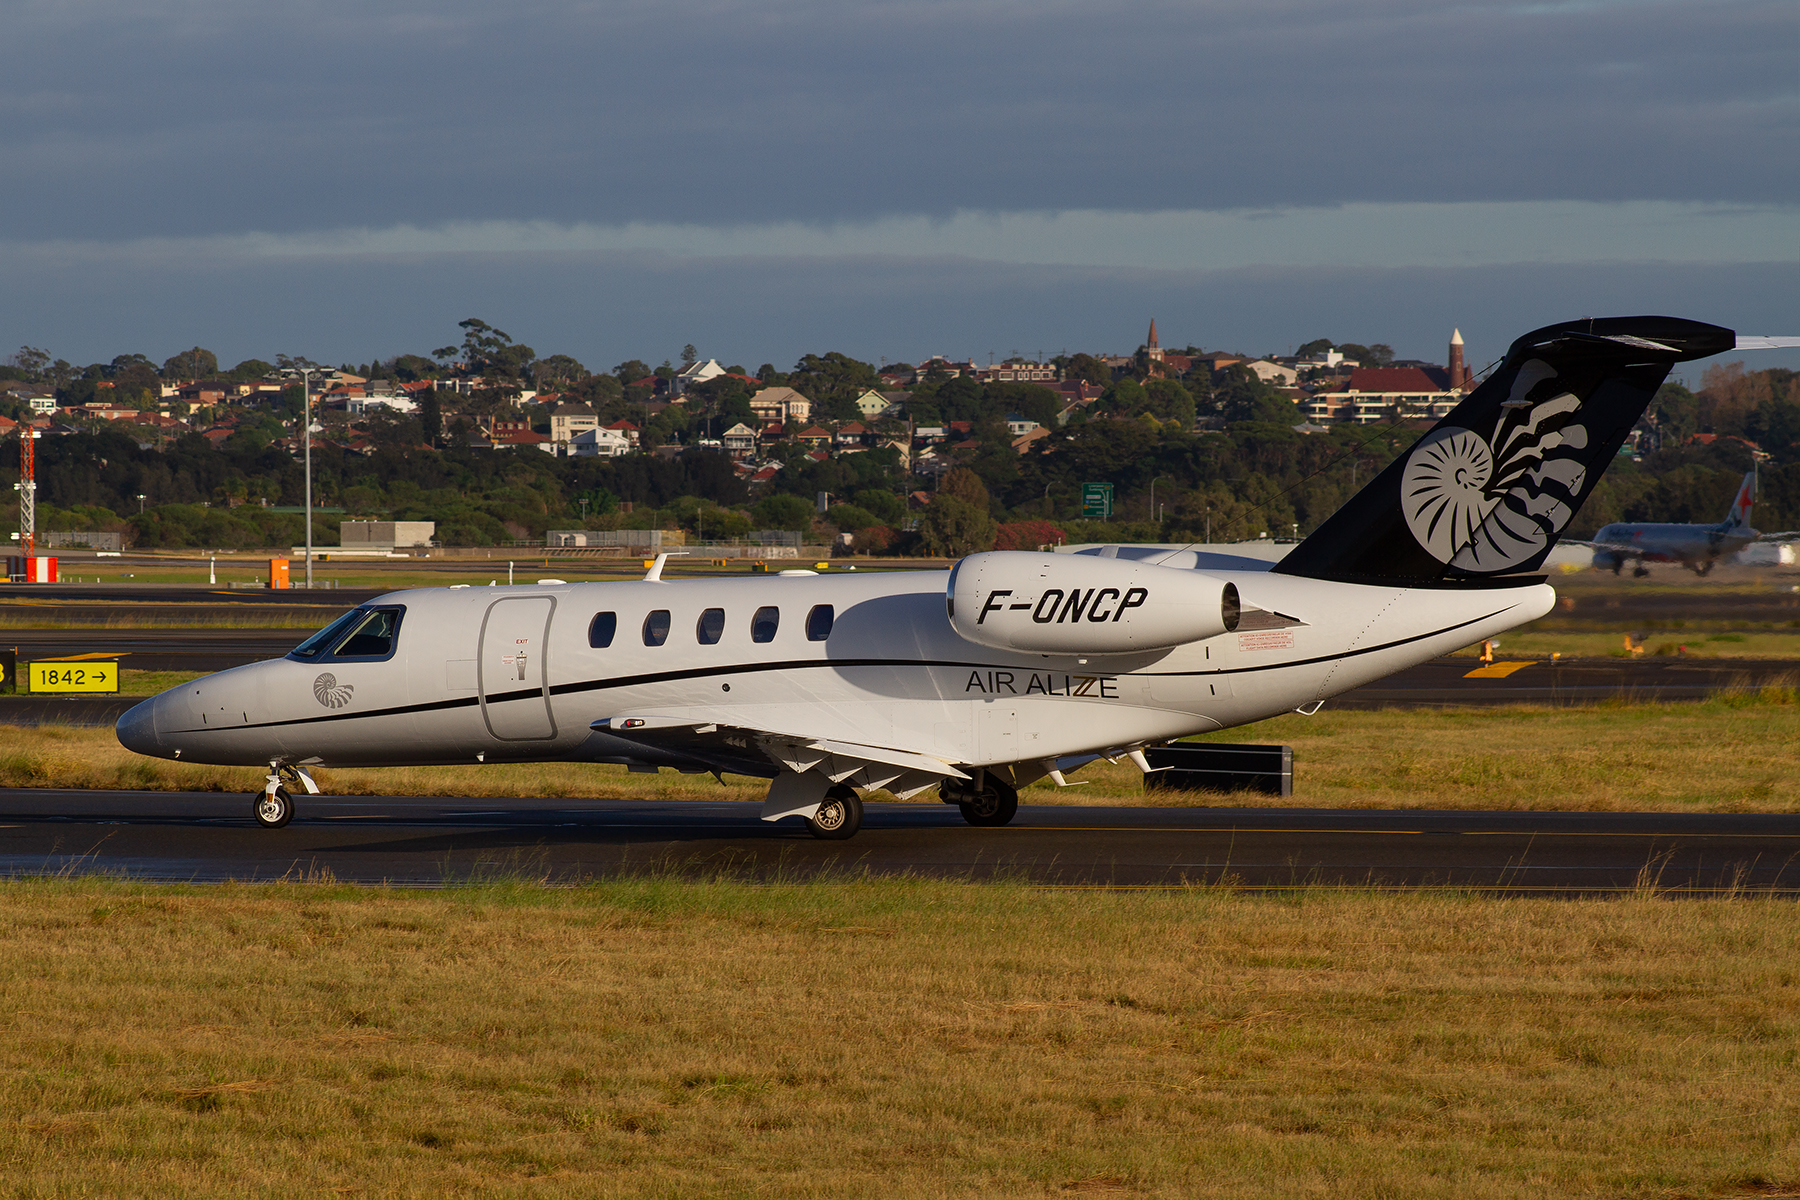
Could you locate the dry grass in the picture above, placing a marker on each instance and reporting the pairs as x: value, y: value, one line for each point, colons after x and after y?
x: 1724, y: 755
x: 892, y: 1039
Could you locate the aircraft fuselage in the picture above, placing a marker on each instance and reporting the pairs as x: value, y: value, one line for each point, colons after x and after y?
x: 513, y: 674
x: 1697, y: 547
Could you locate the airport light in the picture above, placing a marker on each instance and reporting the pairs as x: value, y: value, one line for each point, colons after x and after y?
x: 1165, y: 479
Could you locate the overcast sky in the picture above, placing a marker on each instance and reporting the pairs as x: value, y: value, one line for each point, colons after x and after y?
x: 611, y: 180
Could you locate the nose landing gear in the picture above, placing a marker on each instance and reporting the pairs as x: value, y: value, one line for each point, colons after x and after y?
x: 275, y: 804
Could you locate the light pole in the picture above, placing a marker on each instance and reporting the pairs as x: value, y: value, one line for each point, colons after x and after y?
x: 306, y: 434
x: 140, y: 504
x: 1153, y: 495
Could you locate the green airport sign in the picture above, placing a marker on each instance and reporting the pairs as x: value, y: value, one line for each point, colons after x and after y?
x: 1097, y: 500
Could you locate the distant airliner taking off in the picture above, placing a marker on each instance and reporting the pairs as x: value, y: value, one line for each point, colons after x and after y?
x: 976, y: 681
x: 1696, y: 547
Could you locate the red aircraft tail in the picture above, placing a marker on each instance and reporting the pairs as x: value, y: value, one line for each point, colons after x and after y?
x: 1739, y: 516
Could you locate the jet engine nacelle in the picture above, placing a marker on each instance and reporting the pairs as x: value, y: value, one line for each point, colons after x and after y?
x: 1080, y: 604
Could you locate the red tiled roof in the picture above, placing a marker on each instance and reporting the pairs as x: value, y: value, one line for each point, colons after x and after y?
x: 1392, y: 379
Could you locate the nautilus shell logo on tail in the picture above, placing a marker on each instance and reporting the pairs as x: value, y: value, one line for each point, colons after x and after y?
x: 1487, y: 503
x: 330, y: 692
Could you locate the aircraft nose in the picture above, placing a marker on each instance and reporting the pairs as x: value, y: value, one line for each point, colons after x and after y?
x: 137, y: 729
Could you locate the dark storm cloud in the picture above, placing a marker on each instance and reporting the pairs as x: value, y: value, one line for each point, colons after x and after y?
x: 124, y: 120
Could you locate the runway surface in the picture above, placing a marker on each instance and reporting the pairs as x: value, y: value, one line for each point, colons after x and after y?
x: 1448, y: 682
x: 176, y: 836
x: 158, y: 649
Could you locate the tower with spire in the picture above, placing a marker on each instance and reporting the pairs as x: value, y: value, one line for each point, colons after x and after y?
x: 1153, y: 348
x: 1459, y: 374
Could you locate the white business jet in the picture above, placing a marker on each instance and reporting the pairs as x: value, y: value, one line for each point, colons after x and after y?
x: 1007, y: 668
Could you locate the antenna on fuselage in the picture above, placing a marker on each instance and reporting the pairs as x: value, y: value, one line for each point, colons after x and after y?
x: 654, y: 574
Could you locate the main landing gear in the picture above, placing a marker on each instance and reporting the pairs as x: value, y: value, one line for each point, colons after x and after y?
x: 275, y: 804
x: 986, y: 800
x: 840, y: 815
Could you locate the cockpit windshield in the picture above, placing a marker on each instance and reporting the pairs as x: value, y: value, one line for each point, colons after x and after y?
x: 360, y: 633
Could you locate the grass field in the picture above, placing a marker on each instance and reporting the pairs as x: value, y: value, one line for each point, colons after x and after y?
x: 893, y: 1039
x: 1734, y: 754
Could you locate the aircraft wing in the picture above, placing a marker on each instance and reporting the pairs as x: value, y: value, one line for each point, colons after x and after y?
x: 1787, y: 535
x: 747, y: 749
x: 1614, y: 547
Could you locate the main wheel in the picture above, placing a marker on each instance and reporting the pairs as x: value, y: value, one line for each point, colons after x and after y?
x: 995, y: 804
x: 839, y: 816
x: 274, y: 809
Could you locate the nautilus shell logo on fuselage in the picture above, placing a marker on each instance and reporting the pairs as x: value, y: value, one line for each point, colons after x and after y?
x: 1485, y: 504
x: 330, y: 692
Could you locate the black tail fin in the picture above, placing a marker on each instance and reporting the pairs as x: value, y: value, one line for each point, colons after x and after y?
x: 1490, y: 488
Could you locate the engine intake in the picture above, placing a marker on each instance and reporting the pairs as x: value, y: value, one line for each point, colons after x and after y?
x: 1078, y: 604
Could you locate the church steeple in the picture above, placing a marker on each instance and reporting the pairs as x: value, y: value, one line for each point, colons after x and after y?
x: 1152, y: 343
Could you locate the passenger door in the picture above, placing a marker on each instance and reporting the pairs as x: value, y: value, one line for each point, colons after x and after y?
x: 514, y: 677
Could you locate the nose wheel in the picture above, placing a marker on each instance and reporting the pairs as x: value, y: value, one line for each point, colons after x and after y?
x: 274, y: 805
x: 274, y: 809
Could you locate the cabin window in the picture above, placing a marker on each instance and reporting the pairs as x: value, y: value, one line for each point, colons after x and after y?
x: 320, y: 642
x: 362, y: 634
x: 601, y: 630
x: 372, y: 637
x: 764, y: 624
x: 656, y: 627
x: 710, y: 626
x: 818, y: 623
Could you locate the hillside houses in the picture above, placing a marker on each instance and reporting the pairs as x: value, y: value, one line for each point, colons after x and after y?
x: 911, y: 421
